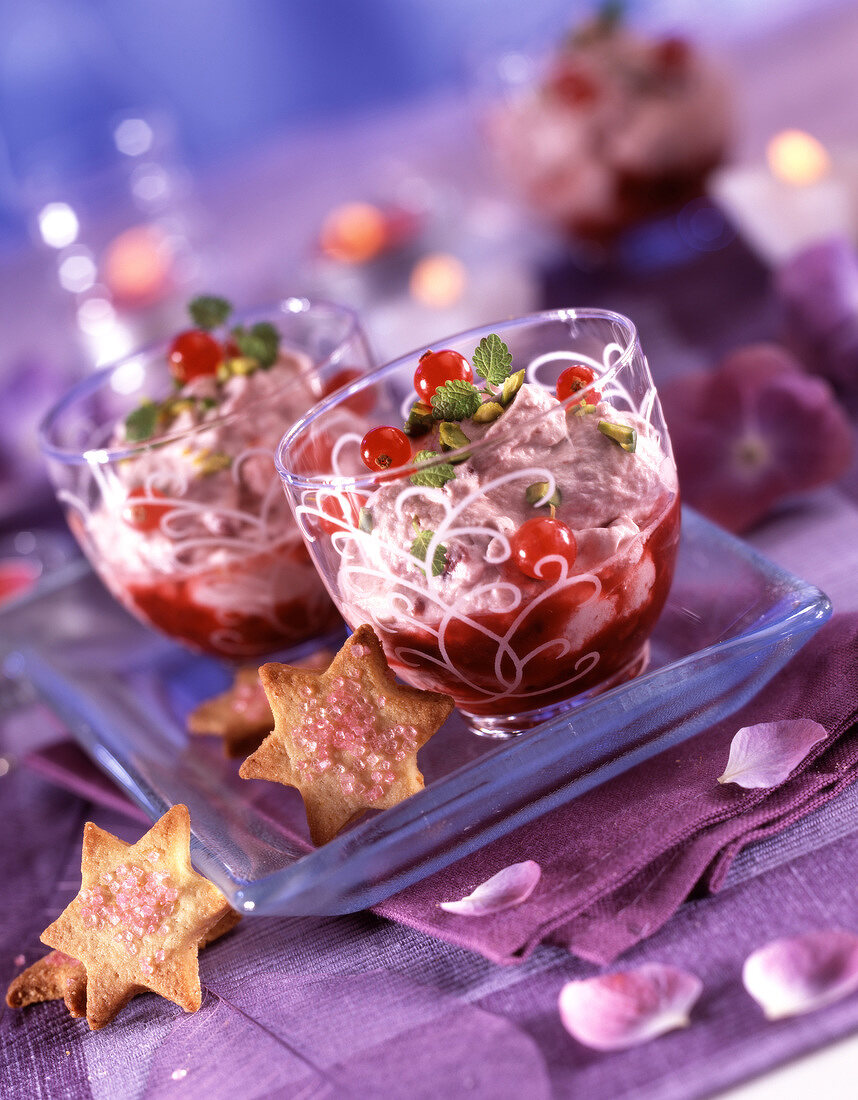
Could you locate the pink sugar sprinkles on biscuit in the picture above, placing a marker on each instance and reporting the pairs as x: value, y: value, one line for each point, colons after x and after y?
x: 134, y: 903
x: 346, y: 733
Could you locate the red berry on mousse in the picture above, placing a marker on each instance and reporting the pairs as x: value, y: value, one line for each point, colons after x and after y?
x: 385, y: 448
x: 437, y: 367
x: 572, y: 85
x: 141, y: 511
x: 540, y: 538
x: 192, y: 354
x: 573, y: 380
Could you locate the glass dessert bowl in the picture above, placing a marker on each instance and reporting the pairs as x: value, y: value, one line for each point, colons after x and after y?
x: 613, y: 128
x: 510, y: 547
x: 164, y: 466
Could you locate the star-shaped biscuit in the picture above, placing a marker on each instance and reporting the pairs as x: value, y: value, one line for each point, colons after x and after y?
x: 241, y: 716
x: 347, y: 738
x: 74, y: 988
x: 57, y: 976
x: 45, y: 980
x: 138, y: 920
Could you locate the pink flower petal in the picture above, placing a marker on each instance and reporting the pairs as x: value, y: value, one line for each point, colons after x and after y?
x: 799, y: 974
x: 621, y: 1010
x: 765, y: 754
x: 509, y: 887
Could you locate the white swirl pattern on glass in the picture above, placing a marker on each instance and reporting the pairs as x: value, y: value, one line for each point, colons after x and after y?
x: 190, y: 547
x: 359, y: 576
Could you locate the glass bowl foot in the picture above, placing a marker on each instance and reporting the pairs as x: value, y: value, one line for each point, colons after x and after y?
x: 503, y: 726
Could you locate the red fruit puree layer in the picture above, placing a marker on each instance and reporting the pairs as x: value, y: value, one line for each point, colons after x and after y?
x: 181, y: 606
x: 473, y: 653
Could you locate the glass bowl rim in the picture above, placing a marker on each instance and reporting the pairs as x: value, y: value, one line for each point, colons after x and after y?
x: 370, y: 480
x: 293, y: 305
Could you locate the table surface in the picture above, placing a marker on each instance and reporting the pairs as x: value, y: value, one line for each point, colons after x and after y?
x: 361, y: 985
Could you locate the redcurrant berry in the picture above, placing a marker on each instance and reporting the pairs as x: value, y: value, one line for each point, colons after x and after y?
x: 141, y: 510
x: 573, y: 86
x: 192, y: 354
x: 385, y: 448
x: 540, y: 538
x: 436, y: 368
x: 361, y: 402
x: 573, y: 380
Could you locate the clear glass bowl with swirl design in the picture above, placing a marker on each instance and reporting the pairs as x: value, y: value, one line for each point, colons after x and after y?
x: 433, y: 554
x: 188, y: 528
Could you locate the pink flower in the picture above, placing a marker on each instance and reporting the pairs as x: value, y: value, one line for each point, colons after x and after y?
x: 818, y: 290
x: 753, y: 431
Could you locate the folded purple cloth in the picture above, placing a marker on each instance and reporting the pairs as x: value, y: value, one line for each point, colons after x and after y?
x: 620, y: 860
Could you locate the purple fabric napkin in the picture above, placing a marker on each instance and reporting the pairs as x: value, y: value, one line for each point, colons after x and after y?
x: 620, y: 860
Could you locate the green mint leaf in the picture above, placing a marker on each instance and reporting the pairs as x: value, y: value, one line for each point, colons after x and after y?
x: 431, y: 477
x: 140, y: 424
x: 455, y: 400
x: 261, y: 342
x: 208, y: 312
x: 420, y: 548
x: 492, y: 359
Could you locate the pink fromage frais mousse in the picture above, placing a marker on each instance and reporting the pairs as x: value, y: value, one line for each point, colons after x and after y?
x: 515, y: 547
x: 186, y: 522
x: 617, y: 128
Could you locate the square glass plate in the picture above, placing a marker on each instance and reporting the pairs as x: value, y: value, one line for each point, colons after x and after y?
x: 731, y: 621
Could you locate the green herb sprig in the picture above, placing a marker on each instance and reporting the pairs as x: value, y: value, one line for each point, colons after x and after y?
x: 431, y: 477
x: 420, y: 550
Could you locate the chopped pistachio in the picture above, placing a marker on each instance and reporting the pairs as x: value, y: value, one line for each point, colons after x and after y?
x: 223, y: 372
x: 511, y: 386
x: 243, y: 364
x: 622, y: 434
x: 535, y: 494
x: 211, y: 462
x: 452, y: 438
x: 365, y: 521
x: 582, y: 409
x: 420, y: 419
x: 488, y: 411
x: 173, y: 407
